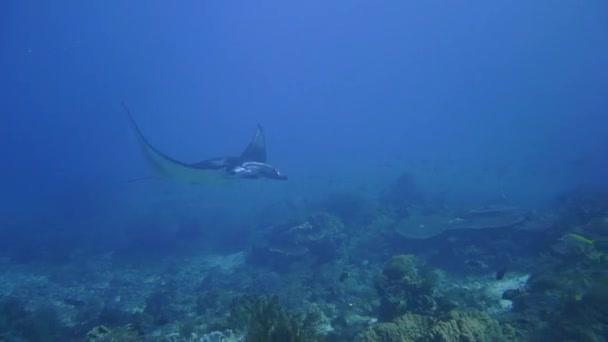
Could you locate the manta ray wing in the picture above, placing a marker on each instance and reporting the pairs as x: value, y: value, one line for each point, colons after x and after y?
x: 256, y: 150
x: 170, y: 168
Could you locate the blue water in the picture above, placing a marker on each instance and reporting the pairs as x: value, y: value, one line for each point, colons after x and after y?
x: 478, y: 100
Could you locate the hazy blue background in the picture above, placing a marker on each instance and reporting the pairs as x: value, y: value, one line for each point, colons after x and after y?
x: 475, y: 98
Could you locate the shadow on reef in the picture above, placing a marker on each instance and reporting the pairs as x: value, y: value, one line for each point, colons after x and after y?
x: 175, y: 233
x: 160, y: 231
x: 19, y: 324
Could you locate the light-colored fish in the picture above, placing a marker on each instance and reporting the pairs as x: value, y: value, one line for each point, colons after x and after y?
x: 577, y: 244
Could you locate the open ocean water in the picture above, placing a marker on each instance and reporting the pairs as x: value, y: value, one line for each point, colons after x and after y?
x: 317, y: 171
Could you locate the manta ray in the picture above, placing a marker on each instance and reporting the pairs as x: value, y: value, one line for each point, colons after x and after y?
x: 250, y: 164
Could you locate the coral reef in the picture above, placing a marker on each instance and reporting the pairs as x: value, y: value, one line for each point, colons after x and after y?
x: 340, y: 274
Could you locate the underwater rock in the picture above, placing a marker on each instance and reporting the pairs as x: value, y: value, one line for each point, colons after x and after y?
x: 511, y: 294
x: 409, y: 327
x: 289, y: 251
x: 317, y: 227
x: 226, y: 263
x: 493, y: 292
x: 420, y: 226
x: 321, y: 233
x: 545, y: 282
x: 121, y: 333
x: 578, y: 313
x: 221, y: 336
x: 494, y: 217
x: 352, y: 319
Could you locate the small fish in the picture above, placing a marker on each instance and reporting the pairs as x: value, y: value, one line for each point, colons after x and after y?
x: 501, y: 273
x: 577, y: 244
x: 577, y: 239
x: 343, y: 276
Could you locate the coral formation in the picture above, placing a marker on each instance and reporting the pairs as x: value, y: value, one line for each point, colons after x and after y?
x: 404, y: 288
x: 470, y: 326
x: 263, y: 319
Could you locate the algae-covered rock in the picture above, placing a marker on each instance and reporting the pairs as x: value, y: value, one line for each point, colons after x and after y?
x: 471, y: 326
x: 457, y: 326
x: 402, y: 268
x: 409, y: 327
